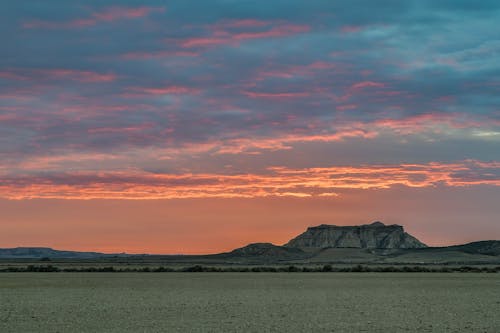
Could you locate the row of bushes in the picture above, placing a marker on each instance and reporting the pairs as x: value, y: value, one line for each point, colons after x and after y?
x: 292, y: 268
x: 357, y: 268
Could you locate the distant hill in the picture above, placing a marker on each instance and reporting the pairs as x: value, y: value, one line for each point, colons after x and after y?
x: 46, y: 252
x: 266, y: 249
x: 265, y: 252
x: 473, y: 253
x: 491, y: 248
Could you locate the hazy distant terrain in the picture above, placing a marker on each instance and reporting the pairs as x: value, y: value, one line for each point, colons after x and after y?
x: 249, y: 302
x: 478, y: 252
x: 374, y: 243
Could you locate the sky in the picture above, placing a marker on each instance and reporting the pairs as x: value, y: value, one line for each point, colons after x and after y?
x: 189, y: 126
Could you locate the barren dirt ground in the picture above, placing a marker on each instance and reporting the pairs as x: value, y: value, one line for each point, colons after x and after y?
x: 249, y: 302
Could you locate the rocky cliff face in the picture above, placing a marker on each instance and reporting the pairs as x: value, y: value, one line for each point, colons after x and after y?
x: 375, y: 235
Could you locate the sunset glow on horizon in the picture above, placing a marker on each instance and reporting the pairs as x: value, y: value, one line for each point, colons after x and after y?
x: 197, y: 127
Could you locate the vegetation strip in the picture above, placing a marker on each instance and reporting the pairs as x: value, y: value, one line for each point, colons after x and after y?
x: 257, y: 269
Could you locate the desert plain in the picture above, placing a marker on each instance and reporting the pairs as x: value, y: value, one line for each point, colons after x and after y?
x: 249, y: 302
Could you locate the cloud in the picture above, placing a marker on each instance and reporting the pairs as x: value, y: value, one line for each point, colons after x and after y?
x: 367, y: 84
x: 231, y: 33
x: 280, y: 95
x: 57, y: 74
x: 289, y: 72
x: 165, y: 90
x: 278, y: 181
x: 350, y: 29
x: 108, y: 14
x: 251, y: 85
x: 158, y: 54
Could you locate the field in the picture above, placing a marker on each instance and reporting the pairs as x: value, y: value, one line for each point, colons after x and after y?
x: 249, y: 302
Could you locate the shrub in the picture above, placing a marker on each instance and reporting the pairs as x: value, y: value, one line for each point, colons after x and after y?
x: 327, y: 268
x: 195, y: 268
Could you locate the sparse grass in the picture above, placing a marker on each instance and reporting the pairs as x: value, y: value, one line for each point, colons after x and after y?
x: 249, y: 302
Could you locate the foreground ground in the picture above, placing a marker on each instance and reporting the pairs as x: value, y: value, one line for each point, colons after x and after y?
x: 249, y: 302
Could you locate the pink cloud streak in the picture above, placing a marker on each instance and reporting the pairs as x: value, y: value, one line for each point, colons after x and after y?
x: 57, y: 74
x: 298, y: 70
x: 158, y: 54
x: 222, y: 34
x: 367, y: 84
x: 350, y: 29
x: 165, y: 90
x: 281, y: 95
x: 109, y: 14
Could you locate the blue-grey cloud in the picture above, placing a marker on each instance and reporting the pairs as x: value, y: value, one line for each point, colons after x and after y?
x: 185, y: 86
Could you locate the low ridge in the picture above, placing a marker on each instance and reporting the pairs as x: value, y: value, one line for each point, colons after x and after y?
x: 47, y: 252
x: 266, y: 250
x: 369, y: 236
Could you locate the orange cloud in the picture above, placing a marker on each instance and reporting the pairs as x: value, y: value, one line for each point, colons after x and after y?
x: 129, y: 129
x: 285, y: 142
x: 277, y: 181
x: 166, y: 90
x: 432, y: 122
